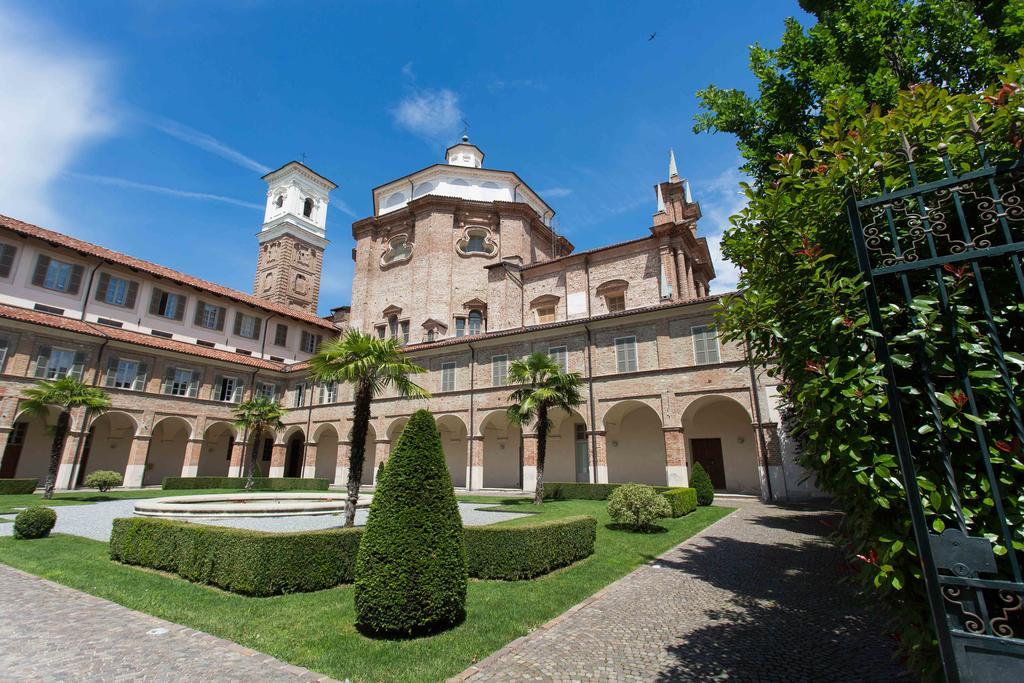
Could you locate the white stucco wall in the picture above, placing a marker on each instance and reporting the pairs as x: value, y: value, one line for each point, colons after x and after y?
x: 728, y: 421
x: 501, y: 453
x: 636, y: 448
x: 166, y: 456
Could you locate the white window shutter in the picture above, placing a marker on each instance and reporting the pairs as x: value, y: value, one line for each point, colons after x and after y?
x: 78, y: 365
x: 236, y: 394
x: 42, y: 361
x: 193, y: 385
x: 139, y: 384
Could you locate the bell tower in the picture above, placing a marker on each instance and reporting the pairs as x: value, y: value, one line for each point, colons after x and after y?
x: 293, y: 237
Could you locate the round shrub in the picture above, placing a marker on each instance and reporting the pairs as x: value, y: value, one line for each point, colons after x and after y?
x: 410, y: 575
x: 638, y: 506
x: 701, y: 481
x: 104, y: 480
x: 34, y: 522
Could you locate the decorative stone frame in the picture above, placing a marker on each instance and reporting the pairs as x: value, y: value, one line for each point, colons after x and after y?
x: 490, y: 243
x: 544, y: 301
x: 391, y: 243
x: 613, y: 288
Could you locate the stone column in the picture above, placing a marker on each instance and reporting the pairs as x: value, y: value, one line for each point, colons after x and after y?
x: 668, y: 272
x: 309, y: 462
x: 529, y: 462
x: 676, y: 471
x: 277, y: 456
x: 476, y: 462
x: 193, y: 452
x: 689, y: 277
x: 137, y: 461
x: 341, y: 466
x: 601, y: 455
x: 236, y: 468
x: 683, y: 268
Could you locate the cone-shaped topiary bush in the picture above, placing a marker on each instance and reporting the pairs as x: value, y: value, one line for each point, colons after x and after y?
x: 410, y: 575
x: 701, y: 481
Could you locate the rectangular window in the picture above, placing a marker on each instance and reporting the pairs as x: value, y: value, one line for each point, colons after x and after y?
x: 499, y: 370
x: 300, y: 395
x: 625, y: 354
x: 616, y: 302
x: 382, y: 331
x: 117, y: 291
x: 167, y: 304
x: 545, y: 314
x: 267, y: 390
x: 125, y: 372
x: 7, y: 252
x: 247, y: 326
x: 210, y: 316
x: 705, y: 344
x: 448, y: 376
x: 560, y: 354
x: 57, y: 275
x: 328, y: 393
x: 3, y: 353
x: 59, y: 364
x: 310, y: 342
x: 281, y: 335
x: 460, y: 327
x: 180, y: 382
x: 224, y: 389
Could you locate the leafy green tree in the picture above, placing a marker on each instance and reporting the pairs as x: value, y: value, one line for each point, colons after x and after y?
x: 65, y: 394
x: 410, y: 574
x: 371, y: 365
x: 803, y: 311
x: 866, y: 51
x: 258, y: 416
x: 543, y: 387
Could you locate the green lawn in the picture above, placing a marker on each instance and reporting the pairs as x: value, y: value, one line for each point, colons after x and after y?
x: 315, y: 630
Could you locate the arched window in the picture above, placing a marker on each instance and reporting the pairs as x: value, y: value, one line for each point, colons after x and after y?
x: 476, y: 322
x: 307, y: 207
x: 279, y: 202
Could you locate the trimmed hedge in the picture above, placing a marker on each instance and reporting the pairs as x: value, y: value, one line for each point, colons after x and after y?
x: 259, y: 483
x: 18, y: 486
x: 263, y: 563
x: 682, y: 500
x: 34, y: 522
x: 524, y: 552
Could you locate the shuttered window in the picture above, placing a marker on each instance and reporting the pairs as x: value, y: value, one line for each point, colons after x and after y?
x: 267, y: 390
x: 167, y: 304
x: 560, y: 354
x: 625, y: 354
x: 117, y: 291
x: 328, y: 393
x: 281, y: 335
x: 210, y: 316
x: 300, y: 395
x: 181, y: 382
x: 3, y: 353
x: 228, y: 389
x: 448, y: 376
x: 7, y: 253
x: 247, y: 326
x: 705, y: 344
x: 53, y: 363
x: 499, y: 370
x: 57, y: 275
x: 310, y: 342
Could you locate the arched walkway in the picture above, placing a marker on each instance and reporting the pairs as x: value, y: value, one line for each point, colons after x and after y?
x: 635, y: 444
x: 166, y: 455
x: 326, y: 439
x: 108, y: 445
x: 568, y: 454
x: 454, y: 441
x: 264, y: 444
x: 27, y: 454
x: 215, y: 458
x: 720, y: 436
x: 502, y: 456
x: 294, y: 454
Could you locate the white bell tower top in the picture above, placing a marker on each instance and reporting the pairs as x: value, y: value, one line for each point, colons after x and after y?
x: 464, y: 154
x: 297, y: 200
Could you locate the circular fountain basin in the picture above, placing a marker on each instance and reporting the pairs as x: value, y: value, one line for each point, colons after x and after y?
x: 268, y: 504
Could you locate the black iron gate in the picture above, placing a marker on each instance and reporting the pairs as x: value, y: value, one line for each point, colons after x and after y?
x: 940, y: 250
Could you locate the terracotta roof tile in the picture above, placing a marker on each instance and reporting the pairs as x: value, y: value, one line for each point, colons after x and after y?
x: 29, y: 230
x: 131, y: 337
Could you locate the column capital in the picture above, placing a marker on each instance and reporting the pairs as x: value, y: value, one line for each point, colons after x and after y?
x: 671, y: 428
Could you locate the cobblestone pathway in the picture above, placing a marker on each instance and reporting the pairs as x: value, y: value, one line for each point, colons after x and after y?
x: 53, y: 633
x: 754, y: 598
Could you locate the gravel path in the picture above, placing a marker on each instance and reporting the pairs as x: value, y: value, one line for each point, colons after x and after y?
x: 97, y: 519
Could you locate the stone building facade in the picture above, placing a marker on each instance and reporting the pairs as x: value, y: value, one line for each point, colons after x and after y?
x: 462, y: 265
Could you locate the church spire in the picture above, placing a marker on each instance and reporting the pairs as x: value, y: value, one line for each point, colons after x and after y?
x: 673, y: 172
x: 661, y: 200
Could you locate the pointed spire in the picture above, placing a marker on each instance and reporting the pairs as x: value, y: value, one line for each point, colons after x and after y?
x: 661, y: 200
x: 686, y: 191
x: 673, y: 172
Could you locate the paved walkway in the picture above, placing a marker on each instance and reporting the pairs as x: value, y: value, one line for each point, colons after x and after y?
x: 756, y: 597
x: 53, y: 633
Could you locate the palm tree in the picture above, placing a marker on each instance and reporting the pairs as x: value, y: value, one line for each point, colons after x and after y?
x: 370, y: 365
x: 258, y: 416
x: 65, y: 394
x: 543, y: 386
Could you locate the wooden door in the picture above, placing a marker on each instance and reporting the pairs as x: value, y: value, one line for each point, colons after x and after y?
x: 11, y: 454
x: 708, y: 452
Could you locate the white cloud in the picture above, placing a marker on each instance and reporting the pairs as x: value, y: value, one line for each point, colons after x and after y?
x: 719, y: 199
x: 408, y: 72
x: 431, y: 114
x: 340, y: 205
x: 206, y: 142
x: 54, y: 105
x: 159, y: 189
x: 556, y: 192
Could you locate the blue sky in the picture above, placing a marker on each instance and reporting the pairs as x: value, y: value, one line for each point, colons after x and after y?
x: 145, y: 126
